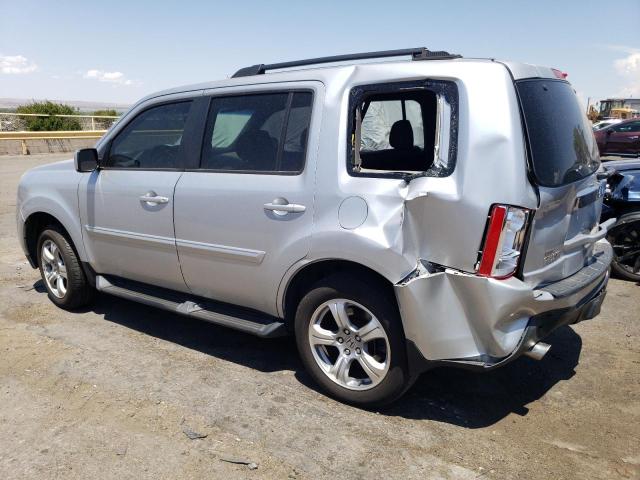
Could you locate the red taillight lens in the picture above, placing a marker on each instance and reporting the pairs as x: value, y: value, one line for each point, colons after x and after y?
x: 503, y: 241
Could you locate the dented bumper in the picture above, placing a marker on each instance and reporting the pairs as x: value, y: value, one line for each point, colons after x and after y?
x: 459, y: 317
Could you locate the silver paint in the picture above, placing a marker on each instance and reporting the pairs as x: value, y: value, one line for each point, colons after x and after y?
x: 215, y: 230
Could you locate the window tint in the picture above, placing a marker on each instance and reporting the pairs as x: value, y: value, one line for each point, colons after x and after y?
x: 152, y: 140
x: 563, y: 148
x: 261, y: 132
x: 627, y: 127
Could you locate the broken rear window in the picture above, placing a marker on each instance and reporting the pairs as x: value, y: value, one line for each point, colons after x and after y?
x: 403, y: 129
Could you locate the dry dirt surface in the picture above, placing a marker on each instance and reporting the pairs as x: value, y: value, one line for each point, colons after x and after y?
x: 120, y: 390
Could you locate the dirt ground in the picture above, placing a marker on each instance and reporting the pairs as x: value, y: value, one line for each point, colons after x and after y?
x: 114, y: 391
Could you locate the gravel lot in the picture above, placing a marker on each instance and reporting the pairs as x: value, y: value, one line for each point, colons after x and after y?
x: 115, y: 390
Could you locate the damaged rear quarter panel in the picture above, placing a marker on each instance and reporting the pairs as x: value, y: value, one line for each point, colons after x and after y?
x: 436, y: 219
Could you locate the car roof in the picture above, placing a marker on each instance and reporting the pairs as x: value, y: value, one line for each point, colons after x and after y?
x: 323, y: 72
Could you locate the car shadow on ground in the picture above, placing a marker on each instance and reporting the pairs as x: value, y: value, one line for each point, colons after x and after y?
x: 460, y: 397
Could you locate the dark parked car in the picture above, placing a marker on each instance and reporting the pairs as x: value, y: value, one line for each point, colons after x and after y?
x: 622, y: 200
x: 623, y: 138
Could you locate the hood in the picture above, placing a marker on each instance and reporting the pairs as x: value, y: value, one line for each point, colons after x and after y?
x: 56, y: 166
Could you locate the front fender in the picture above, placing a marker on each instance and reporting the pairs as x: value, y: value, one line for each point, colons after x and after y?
x: 53, y: 191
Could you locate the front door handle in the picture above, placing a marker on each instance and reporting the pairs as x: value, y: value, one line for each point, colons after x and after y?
x: 281, y: 206
x: 153, y: 198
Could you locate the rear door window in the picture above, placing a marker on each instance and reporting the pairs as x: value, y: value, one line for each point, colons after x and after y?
x: 562, y: 146
x: 258, y: 132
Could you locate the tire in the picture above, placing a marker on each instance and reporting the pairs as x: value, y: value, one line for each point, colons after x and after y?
x: 376, y: 369
x: 624, y: 236
x: 57, y: 258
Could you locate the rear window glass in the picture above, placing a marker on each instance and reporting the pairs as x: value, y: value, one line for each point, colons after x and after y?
x: 563, y: 148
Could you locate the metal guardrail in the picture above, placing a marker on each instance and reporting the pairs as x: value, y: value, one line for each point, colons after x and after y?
x: 51, y: 135
x: 23, y: 137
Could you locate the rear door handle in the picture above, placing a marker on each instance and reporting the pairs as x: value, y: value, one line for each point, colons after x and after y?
x: 153, y: 198
x: 284, y: 208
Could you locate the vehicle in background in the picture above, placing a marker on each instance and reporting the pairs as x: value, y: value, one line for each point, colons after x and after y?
x: 605, y: 123
x: 620, y: 139
x: 624, y: 113
x: 622, y: 108
x: 622, y: 201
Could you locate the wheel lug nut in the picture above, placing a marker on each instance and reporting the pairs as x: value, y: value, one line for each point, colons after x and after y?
x: 347, y: 351
x: 358, y: 351
x: 357, y: 338
x: 346, y: 331
x: 340, y: 340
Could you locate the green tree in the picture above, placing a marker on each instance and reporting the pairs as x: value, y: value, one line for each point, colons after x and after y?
x: 38, y: 124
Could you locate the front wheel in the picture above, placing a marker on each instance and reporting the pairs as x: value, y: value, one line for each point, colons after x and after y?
x: 61, y: 271
x: 351, y: 341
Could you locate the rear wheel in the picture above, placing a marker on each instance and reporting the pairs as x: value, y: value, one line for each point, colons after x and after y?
x: 350, y: 338
x: 624, y: 236
x: 61, y: 272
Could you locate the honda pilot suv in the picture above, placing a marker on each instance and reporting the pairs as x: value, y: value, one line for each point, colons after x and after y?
x: 392, y: 215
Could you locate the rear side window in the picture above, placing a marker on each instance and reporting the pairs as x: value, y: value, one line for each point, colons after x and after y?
x: 403, y: 129
x: 561, y: 142
x: 152, y: 140
x: 258, y: 132
x: 392, y: 131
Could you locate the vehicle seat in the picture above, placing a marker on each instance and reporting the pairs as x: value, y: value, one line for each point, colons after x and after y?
x: 403, y: 155
x: 401, y: 136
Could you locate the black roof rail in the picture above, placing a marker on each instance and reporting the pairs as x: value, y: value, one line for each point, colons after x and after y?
x: 420, y: 53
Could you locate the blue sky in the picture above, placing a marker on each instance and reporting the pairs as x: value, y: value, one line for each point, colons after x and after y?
x: 118, y: 51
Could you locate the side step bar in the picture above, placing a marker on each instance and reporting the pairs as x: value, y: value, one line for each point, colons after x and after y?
x: 248, y: 322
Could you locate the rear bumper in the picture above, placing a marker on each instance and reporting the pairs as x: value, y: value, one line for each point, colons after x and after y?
x: 475, y: 322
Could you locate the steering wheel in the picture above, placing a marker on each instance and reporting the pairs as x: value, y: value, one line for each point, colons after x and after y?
x: 160, y: 156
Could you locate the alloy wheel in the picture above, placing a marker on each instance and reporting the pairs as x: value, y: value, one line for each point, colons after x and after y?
x: 626, y: 246
x: 54, y: 269
x: 349, y: 344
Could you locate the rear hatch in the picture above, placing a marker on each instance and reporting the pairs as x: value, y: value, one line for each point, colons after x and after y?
x: 563, y: 158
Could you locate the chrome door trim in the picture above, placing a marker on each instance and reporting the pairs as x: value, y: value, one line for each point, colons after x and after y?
x: 154, y: 241
x: 222, y: 251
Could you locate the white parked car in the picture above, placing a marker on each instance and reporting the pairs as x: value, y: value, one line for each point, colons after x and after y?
x: 602, y: 124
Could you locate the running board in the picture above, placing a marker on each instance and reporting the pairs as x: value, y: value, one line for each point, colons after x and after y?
x: 221, y: 314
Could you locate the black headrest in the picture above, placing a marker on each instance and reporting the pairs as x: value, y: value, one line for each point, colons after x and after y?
x: 401, y: 135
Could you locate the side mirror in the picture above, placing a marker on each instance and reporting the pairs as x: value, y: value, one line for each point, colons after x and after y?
x: 86, y: 160
x: 609, y: 131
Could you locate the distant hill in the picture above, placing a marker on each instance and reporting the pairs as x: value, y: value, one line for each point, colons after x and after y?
x: 8, y: 104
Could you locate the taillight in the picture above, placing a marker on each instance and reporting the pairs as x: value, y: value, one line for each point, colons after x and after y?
x: 503, y: 241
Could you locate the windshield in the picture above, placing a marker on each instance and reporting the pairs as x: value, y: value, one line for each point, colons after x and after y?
x: 563, y: 148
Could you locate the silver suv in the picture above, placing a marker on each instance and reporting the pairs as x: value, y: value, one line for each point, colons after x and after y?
x: 393, y: 215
